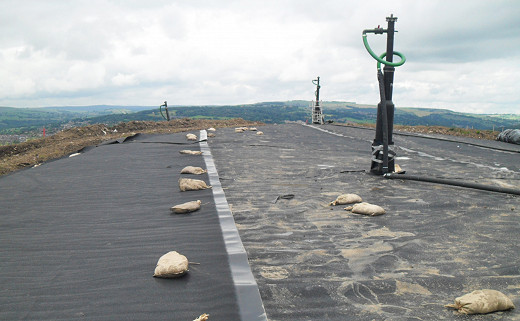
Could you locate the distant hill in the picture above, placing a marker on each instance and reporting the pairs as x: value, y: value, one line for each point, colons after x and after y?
x: 21, y: 120
x: 15, y: 120
x: 98, y: 109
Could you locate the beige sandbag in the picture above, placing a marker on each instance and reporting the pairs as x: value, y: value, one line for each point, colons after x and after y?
x: 253, y: 129
x: 347, y: 199
x: 190, y: 152
x: 239, y: 130
x: 171, y: 265
x: 203, y: 317
x: 368, y: 209
x: 259, y: 133
x: 187, y: 207
x: 211, y: 129
x: 211, y: 135
x: 188, y: 184
x: 481, y: 302
x: 193, y: 170
x: 191, y: 137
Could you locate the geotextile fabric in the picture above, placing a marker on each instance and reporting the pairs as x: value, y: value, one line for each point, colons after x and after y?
x: 317, y: 262
x: 80, y: 238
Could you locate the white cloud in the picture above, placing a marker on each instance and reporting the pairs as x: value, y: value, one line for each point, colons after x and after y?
x: 461, y: 55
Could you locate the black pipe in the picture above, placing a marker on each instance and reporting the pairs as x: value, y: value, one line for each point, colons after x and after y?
x: 389, y: 76
x: 318, y: 92
x: 435, y: 138
x: 376, y: 31
x: 385, y: 109
x: 166, y: 108
x: 452, y: 182
x: 385, y: 120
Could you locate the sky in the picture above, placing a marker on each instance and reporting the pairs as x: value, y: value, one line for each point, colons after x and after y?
x: 462, y: 55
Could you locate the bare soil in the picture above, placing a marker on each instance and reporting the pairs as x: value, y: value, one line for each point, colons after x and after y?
x: 37, y: 151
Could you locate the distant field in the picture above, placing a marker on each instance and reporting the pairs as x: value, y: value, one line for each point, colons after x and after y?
x: 418, y: 111
x: 31, y: 121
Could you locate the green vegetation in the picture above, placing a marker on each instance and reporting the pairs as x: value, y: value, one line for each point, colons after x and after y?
x: 30, y: 121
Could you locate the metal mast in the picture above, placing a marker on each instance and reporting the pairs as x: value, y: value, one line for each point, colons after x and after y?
x: 317, y: 115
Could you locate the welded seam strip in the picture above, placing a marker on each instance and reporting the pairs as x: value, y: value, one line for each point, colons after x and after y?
x: 248, y: 296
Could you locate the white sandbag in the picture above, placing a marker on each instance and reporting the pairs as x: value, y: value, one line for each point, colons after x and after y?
x: 187, y: 207
x: 259, y: 133
x: 188, y: 184
x: 347, y: 199
x: 368, y: 209
x: 203, y: 317
x: 481, y: 302
x: 239, y: 130
x: 253, y: 129
x: 191, y: 137
x: 171, y: 265
x: 211, y: 129
x: 193, y: 170
x: 190, y: 152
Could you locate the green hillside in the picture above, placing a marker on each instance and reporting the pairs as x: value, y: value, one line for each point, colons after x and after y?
x: 25, y: 120
x: 16, y: 120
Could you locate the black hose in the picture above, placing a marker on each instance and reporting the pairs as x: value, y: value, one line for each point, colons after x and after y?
x: 453, y: 183
x: 160, y: 110
x: 381, y: 81
x: 434, y: 138
x: 458, y: 141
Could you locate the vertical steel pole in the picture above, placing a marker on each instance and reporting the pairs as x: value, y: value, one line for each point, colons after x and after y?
x: 318, y: 92
x: 166, y: 108
x: 317, y: 116
x: 389, y: 78
x: 381, y: 162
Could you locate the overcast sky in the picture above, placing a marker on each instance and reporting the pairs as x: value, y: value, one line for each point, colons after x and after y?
x: 462, y: 55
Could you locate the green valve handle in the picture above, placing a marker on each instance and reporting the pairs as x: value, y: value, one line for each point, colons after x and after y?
x: 380, y: 59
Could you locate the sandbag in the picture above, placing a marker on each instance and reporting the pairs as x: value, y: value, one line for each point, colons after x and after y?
x: 481, y: 302
x: 259, y: 133
x: 190, y: 152
x: 211, y: 135
x: 347, y: 199
x: 188, y: 184
x: 193, y: 170
x: 211, y: 129
x: 187, y: 207
x: 171, y: 265
x: 368, y: 209
x: 253, y: 129
x: 191, y: 137
x: 510, y: 136
x: 203, y: 317
x: 239, y: 130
